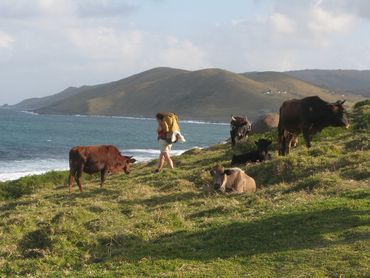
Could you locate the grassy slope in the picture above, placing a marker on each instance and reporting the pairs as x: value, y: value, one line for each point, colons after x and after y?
x: 310, y: 217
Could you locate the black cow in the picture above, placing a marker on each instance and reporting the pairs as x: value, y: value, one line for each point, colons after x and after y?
x: 309, y: 116
x: 261, y: 154
x: 239, y: 128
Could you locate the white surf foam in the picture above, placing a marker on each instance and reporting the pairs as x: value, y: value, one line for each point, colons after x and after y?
x: 30, y: 112
x: 12, y: 170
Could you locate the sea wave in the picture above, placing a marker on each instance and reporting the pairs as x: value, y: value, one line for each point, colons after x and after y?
x: 17, y: 175
x: 203, y: 122
x: 151, y: 119
x: 15, y: 169
x: 30, y: 112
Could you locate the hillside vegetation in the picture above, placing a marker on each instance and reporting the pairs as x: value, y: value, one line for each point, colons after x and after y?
x: 346, y: 81
x: 310, y: 217
x: 209, y: 94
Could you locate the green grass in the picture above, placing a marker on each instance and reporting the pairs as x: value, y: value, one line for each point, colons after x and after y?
x: 310, y: 217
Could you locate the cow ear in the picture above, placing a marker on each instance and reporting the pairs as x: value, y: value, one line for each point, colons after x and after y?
x: 341, y: 102
x: 212, y: 172
x: 132, y: 160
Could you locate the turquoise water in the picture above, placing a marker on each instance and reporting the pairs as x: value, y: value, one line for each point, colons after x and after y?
x: 31, y: 143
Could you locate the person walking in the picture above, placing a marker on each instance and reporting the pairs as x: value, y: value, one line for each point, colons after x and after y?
x: 168, y: 131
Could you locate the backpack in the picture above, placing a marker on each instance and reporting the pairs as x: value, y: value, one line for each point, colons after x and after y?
x: 170, y: 125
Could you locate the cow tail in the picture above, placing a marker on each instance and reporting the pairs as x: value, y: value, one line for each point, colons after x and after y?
x: 281, y: 140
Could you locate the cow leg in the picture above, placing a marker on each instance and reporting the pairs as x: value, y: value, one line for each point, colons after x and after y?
x: 307, y: 138
x: 78, y: 175
x: 288, y: 142
x: 232, y: 136
x: 285, y: 145
x: 70, y: 181
x: 281, y: 140
x: 77, y: 179
x: 103, y: 176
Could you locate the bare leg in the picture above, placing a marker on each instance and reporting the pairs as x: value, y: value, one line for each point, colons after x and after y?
x: 160, y: 162
x: 168, y: 159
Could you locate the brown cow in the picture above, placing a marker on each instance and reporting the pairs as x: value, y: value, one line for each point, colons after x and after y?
x: 309, y: 116
x: 239, y: 128
x: 265, y: 123
x: 232, y: 180
x: 92, y: 159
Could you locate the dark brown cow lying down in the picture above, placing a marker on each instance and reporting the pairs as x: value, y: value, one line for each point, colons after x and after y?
x: 92, y: 159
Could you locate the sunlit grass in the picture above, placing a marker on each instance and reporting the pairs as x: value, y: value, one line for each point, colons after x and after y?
x: 309, y: 217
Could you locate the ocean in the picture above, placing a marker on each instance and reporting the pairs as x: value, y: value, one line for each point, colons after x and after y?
x: 35, y: 144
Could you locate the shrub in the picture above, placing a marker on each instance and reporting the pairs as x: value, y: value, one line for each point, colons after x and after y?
x: 28, y: 185
x: 361, y: 115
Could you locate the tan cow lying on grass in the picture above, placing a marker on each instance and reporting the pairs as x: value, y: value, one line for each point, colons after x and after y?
x: 232, y: 180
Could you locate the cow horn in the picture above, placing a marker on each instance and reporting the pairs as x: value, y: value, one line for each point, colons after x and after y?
x: 233, y: 118
x: 343, y: 101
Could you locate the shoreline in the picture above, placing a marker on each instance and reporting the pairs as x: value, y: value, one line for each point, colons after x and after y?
x: 12, y: 176
x: 190, y: 121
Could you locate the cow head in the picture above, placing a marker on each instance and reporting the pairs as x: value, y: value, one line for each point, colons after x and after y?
x: 262, y: 146
x: 126, y: 167
x: 239, y: 128
x: 123, y: 165
x: 219, y: 174
x: 338, y: 114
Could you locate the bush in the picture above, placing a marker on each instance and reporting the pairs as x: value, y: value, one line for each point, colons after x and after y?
x: 29, y: 184
x: 361, y: 115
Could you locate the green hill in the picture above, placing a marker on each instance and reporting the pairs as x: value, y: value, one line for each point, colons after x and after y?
x: 209, y: 94
x: 293, y: 87
x: 310, y: 217
x: 346, y: 81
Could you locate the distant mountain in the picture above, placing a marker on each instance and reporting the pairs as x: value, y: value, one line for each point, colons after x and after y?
x: 209, y: 94
x: 285, y: 84
x: 348, y: 81
x: 37, y: 103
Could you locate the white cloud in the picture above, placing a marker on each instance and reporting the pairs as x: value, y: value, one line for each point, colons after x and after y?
x: 102, y: 42
x: 323, y: 21
x: 182, y: 54
x: 73, y: 42
x: 18, y: 9
x: 6, y: 40
x: 91, y: 8
x: 282, y: 24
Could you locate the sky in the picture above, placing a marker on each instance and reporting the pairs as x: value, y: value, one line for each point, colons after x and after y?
x: 49, y: 45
